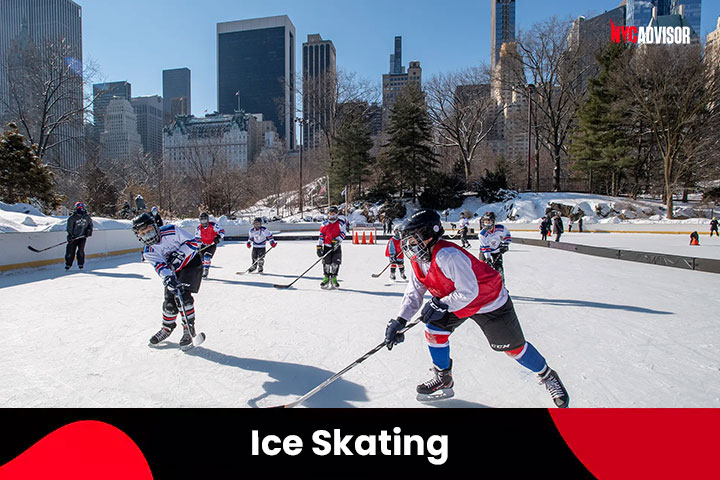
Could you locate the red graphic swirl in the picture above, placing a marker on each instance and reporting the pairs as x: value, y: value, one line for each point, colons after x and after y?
x: 642, y: 443
x: 80, y: 451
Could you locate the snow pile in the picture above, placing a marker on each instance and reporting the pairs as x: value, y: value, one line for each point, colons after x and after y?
x: 531, y: 207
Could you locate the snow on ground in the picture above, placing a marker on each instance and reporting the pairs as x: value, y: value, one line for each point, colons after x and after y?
x: 620, y: 335
x: 672, y: 244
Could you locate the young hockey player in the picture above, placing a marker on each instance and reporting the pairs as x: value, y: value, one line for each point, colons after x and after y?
x: 174, y: 254
x: 332, y: 233
x: 209, y: 234
x: 395, y: 254
x: 79, y: 228
x: 494, y: 241
x: 464, y: 222
x: 257, y: 237
x: 462, y: 287
x: 714, y: 227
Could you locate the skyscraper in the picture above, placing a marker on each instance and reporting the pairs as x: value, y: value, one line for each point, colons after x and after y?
x: 176, y: 94
x: 319, y: 87
x: 639, y: 12
x: 256, y: 70
x: 102, y: 94
x: 394, y: 83
x: 691, y: 10
x: 149, y: 113
x: 396, y: 66
x: 120, y: 141
x: 502, y: 27
x: 40, y: 23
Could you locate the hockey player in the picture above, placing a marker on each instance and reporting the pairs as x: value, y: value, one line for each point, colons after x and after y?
x: 494, y: 241
x: 332, y: 233
x: 174, y: 254
x: 714, y: 227
x: 209, y: 234
x: 464, y: 222
x: 79, y: 228
x: 395, y: 254
x: 257, y: 237
x: 462, y: 287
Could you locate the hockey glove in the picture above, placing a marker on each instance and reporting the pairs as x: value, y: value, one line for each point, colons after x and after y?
x: 273, y: 245
x: 393, y: 259
x: 70, y: 238
x: 249, y: 245
x: 392, y: 337
x: 434, y: 311
x: 176, y: 259
x: 172, y: 284
x: 320, y: 250
x: 503, y: 248
x: 335, y: 244
x: 217, y: 239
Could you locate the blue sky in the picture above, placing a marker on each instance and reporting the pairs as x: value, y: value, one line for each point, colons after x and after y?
x: 135, y: 40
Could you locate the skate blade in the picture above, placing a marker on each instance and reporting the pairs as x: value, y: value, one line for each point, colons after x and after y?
x: 438, y: 395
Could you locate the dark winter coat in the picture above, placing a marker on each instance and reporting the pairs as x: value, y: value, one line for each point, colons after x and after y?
x: 558, y: 225
x: 713, y: 224
x: 79, y: 225
x: 545, y: 226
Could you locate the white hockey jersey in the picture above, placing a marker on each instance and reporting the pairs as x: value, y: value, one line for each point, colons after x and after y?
x: 258, y: 236
x: 172, y: 239
x: 491, y: 240
x: 464, y: 222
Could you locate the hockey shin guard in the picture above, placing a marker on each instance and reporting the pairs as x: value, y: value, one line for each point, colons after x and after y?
x: 528, y: 357
x: 438, y: 342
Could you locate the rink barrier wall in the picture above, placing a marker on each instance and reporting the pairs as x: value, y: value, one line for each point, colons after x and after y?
x: 677, y: 261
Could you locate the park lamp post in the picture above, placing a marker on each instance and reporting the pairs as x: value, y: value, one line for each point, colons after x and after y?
x: 529, y: 91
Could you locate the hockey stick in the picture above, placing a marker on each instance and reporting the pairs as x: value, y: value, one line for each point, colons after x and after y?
x: 376, y: 275
x: 256, y: 262
x: 302, y: 274
x: 196, y: 339
x: 343, y: 371
x: 33, y: 249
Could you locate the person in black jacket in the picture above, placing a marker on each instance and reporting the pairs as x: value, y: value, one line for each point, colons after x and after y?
x: 714, y: 227
x: 544, y: 228
x: 79, y: 228
x: 557, y: 227
x: 156, y: 215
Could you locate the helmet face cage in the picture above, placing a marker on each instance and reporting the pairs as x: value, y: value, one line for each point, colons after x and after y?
x: 148, y: 236
x: 488, y: 220
x: 204, y: 219
x: 257, y: 223
x: 332, y: 214
x: 413, y: 243
x: 79, y: 207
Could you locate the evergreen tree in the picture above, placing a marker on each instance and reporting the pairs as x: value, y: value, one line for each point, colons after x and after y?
x: 600, y: 144
x: 352, y: 165
x: 410, y: 155
x: 23, y: 177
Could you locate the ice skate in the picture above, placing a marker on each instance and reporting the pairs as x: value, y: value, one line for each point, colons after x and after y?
x: 334, y: 282
x: 554, y: 385
x: 205, y: 272
x: 392, y: 275
x: 160, y: 336
x: 325, y: 284
x: 438, y: 387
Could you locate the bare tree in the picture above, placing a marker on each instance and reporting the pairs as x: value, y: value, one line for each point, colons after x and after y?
x: 43, y: 92
x: 462, y: 111
x: 542, y: 58
x: 674, y: 93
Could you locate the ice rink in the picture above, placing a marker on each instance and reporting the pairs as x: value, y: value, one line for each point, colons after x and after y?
x: 620, y: 334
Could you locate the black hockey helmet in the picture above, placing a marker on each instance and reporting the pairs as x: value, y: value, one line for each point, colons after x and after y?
x: 415, y: 231
x: 488, y: 220
x: 257, y: 222
x: 79, y: 208
x: 204, y: 218
x: 333, y: 213
x: 140, y: 224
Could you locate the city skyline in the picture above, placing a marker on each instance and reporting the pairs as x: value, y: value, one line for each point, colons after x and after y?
x: 460, y: 40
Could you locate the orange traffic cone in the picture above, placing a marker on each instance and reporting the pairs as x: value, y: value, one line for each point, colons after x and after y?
x: 364, y: 242
x: 372, y: 240
x: 355, y: 238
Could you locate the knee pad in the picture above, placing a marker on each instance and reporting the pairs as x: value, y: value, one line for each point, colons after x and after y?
x: 437, y: 338
x: 170, y: 308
